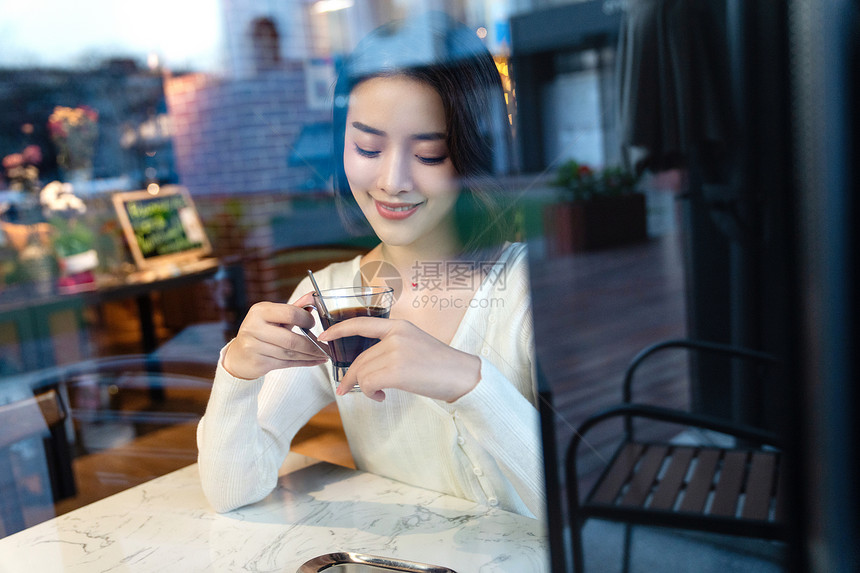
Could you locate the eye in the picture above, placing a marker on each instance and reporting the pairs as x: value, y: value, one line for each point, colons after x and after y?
x: 366, y: 152
x: 432, y: 160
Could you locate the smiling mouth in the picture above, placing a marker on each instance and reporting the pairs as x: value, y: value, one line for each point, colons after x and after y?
x: 396, y: 210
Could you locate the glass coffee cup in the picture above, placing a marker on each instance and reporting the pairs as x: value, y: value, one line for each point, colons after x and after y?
x: 339, y: 304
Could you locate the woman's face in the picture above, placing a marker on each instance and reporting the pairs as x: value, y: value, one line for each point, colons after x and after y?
x: 397, y: 162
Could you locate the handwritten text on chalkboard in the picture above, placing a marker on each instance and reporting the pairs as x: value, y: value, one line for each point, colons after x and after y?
x: 160, y: 227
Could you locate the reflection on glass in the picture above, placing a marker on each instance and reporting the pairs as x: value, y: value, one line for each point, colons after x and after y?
x: 233, y: 107
x: 664, y: 100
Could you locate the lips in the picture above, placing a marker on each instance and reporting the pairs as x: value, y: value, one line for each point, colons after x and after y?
x: 396, y: 211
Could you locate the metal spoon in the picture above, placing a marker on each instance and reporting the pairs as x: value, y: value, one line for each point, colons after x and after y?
x: 319, y: 294
x: 308, y: 334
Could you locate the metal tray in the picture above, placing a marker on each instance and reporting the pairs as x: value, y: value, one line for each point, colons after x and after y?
x: 360, y: 563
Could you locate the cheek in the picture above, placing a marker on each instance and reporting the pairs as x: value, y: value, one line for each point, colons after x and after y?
x: 359, y: 174
x: 442, y: 184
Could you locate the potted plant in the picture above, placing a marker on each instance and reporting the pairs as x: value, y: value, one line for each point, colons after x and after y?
x: 22, y: 169
x: 596, y: 209
x: 73, y: 239
x: 74, y: 132
x: 23, y: 226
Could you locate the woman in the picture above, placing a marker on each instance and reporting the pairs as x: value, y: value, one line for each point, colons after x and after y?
x: 447, y: 396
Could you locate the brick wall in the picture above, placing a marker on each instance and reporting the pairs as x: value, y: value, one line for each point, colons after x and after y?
x: 232, y: 138
x: 235, y: 136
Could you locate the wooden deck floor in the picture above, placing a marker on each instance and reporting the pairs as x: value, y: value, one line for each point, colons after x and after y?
x: 593, y: 313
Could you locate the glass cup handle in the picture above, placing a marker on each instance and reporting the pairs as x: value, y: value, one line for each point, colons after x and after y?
x: 310, y: 335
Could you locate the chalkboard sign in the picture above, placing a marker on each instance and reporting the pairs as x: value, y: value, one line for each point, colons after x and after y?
x: 161, y: 227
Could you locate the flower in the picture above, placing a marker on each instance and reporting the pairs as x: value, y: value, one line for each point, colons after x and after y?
x: 60, y: 199
x: 32, y: 154
x: 13, y: 160
x: 62, y: 208
x: 581, y: 182
x: 74, y: 131
x: 21, y: 169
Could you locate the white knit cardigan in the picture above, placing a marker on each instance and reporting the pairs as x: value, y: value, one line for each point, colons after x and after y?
x: 484, y: 447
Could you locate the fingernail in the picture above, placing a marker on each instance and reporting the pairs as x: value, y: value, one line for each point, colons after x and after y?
x: 323, y: 336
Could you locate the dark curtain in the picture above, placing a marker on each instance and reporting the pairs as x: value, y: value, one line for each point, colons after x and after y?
x: 674, y: 98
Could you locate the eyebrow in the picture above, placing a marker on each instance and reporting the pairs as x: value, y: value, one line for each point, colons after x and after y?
x: 432, y: 136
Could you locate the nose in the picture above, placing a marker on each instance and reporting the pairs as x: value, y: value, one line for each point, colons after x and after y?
x: 395, y: 175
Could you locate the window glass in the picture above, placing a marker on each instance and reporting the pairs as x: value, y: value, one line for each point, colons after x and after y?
x: 168, y: 167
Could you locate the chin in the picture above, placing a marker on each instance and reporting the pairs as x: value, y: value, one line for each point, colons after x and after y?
x: 394, y: 237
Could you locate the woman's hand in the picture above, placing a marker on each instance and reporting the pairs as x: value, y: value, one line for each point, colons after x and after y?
x: 407, y: 358
x: 266, y: 342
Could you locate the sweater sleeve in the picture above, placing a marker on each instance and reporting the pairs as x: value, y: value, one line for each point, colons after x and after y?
x: 248, y: 426
x: 247, y: 429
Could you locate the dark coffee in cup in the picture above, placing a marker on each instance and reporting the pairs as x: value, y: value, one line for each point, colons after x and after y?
x: 339, y: 304
x: 347, y: 349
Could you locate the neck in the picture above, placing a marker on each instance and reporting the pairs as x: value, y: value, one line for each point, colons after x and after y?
x: 405, y: 257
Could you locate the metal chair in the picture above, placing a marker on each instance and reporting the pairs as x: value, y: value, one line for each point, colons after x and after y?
x: 29, y: 418
x: 735, y: 490
x: 133, y: 372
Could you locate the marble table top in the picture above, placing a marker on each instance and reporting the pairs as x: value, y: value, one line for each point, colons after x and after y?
x: 318, y: 508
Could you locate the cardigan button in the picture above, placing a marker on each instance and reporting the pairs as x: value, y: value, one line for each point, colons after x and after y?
x: 485, y: 351
x: 478, y: 471
x: 461, y: 440
x: 493, y: 502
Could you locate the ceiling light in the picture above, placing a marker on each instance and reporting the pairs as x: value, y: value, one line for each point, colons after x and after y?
x: 331, y: 5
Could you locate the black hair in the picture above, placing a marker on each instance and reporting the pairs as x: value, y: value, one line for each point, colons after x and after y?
x: 447, y: 56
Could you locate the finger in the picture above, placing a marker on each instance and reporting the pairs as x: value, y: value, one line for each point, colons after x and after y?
x: 285, y: 335
x: 375, y: 379
x: 344, y: 389
x: 278, y: 363
x: 322, y: 346
x: 279, y: 353
x: 368, y: 373
x: 351, y: 378
x: 301, y: 363
x: 260, y: 365
x: 367, y: 326
x: 346, y: 386
x: 294, y: 345
x: 279, y: 313
x: 288, y: 344
x: 304, y: 300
